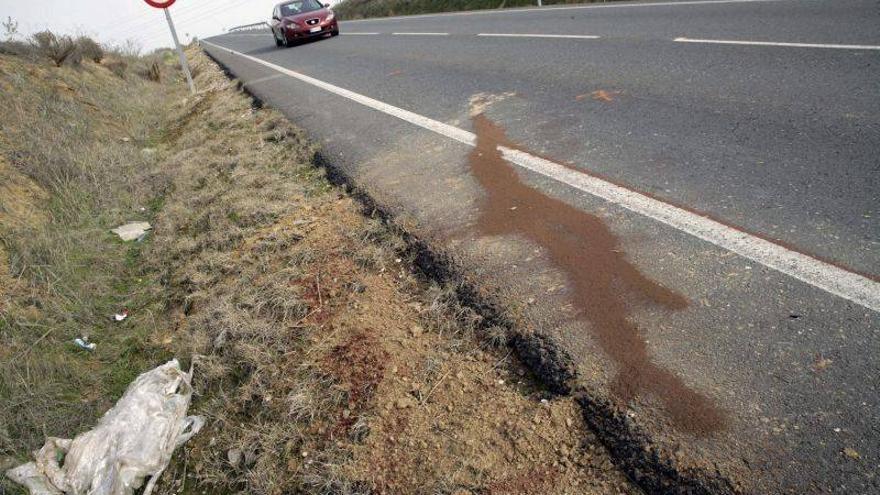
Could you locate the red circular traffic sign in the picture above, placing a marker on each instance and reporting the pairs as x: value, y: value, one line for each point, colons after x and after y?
x: 160, y: 4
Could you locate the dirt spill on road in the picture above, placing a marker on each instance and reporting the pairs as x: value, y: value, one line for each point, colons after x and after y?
x: 603, y: 281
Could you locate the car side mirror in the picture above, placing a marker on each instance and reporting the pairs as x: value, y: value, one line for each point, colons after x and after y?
x: 327, y: 5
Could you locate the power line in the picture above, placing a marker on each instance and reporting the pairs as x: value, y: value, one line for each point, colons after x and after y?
x: 148, y: 28
x: 143, y: 20
x: 146, y: 22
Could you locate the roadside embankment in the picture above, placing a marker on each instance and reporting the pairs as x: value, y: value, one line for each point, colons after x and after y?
x: 72, y: 166
x: 324, y: 362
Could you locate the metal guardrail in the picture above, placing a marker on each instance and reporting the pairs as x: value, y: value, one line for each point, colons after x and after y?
x: 257, y: 26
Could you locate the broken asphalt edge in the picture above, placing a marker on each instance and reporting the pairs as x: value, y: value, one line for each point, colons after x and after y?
x: 631, y: 447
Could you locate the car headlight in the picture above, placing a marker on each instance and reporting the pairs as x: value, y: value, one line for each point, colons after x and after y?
x: 330, y: 16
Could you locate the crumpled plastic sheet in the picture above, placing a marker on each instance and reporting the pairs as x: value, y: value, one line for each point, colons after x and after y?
x: 133, y: 440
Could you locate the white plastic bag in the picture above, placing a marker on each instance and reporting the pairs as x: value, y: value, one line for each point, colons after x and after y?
x: 133, y: 440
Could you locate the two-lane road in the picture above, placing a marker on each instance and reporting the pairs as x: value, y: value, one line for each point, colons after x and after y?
x: 694, y: 210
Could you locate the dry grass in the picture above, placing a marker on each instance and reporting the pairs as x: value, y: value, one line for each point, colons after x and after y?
x: 117, y: 66
x: 244, y: 292
x: 66, y: 177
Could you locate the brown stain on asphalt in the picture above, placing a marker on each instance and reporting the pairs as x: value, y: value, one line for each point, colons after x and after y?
x: 603, y: 281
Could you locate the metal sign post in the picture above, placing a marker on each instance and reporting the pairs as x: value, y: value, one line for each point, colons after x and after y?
x: 164, y: 4
x: 183, y: 63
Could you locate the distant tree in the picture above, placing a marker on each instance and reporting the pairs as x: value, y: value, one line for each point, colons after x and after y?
x: 10, y: 27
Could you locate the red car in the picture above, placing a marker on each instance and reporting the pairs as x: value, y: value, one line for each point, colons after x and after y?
x: 297, y: 20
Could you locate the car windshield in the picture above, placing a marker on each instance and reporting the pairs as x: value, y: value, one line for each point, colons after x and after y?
x: 300, y: 6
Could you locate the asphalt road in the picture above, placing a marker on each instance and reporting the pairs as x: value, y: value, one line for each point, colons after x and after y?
x: 633, y: 231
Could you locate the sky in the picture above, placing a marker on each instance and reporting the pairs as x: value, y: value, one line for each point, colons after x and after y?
x: 115, y: 21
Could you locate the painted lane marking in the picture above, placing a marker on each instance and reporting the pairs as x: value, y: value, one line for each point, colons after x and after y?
x: 551, y: 9
x: 514, y: 35
x: 771, y: 43
x: 832, y: 279
x: 360, y: 34
x: 420, y: 34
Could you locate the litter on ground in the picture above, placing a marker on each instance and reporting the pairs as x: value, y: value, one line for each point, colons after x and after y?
x: 132, y: 231
x: 133, y: 440
x: 83, y: 343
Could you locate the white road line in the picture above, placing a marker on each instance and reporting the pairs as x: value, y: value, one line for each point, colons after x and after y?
x: 575, y: 7
x: 346, y: 33
x: 420, y: 34
x: 771, y: 43
x: 838, y: 281
x: 513, y: 35
x: 249, y: 34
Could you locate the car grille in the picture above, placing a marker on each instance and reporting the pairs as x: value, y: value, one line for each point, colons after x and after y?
x: 312, y: 22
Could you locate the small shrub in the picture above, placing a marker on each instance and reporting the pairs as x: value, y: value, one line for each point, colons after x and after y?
x: 168, y: 56
x: 128, y: 49
x: 155, y: 71
x: 90, y: 49
x: 18, y: 49
x: 152, y: 71
x: 59, y: 49
x: 75, y: 57
x: 117, y: 66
